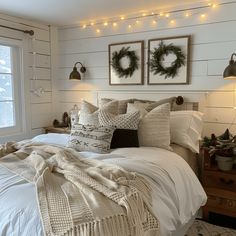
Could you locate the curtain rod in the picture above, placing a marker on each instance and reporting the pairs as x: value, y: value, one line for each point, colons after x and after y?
x: 30, y: 32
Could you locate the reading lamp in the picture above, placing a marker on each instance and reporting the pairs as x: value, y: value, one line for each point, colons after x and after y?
x: 75, y: 74
x: 230, y: 70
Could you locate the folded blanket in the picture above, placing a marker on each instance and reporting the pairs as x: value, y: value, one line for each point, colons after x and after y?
x: 79, y: 196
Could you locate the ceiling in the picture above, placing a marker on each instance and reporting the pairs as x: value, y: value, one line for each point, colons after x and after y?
x: 71, y: 12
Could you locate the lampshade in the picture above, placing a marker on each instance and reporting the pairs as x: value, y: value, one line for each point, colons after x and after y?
x: 230, y: 70
x: 75, y: 74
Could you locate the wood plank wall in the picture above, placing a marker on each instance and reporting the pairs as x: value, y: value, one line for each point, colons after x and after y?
x: 213, y: 40
x: 37, y: 52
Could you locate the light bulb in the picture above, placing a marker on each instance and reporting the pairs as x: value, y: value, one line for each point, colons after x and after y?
x: 129, y: 26
x: 114, y: 24
x: 105, y: 24
x: 167, y: 15
x: 98, y: 30
x: 122, y: 18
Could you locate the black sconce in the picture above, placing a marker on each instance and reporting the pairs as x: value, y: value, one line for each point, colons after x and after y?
x: 75, y: 74
x: 230, y: 70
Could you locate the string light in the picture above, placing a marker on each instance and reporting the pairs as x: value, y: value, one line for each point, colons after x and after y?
x: 185, y: 13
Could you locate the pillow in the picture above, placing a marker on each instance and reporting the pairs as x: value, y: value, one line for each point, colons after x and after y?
x: 141, y: 107
x: 154, y: 127
x: 122, y: 121
x: 91, y: 138
x: 122, y: 104
x: 150, y: 105
x: 125, y: 138
x: 89, y: 112
x: 186, y: 128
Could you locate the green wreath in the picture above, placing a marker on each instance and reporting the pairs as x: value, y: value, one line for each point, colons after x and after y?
x: 133, y: 62
x: 157, y: 58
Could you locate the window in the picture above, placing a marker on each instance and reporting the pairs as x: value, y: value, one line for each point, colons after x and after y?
x: 10, y: 97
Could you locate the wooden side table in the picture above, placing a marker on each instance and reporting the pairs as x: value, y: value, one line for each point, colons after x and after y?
x: 220, y: 187
x: 64, y: 130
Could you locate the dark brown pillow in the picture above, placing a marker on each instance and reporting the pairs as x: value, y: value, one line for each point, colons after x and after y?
x: 124, y: 138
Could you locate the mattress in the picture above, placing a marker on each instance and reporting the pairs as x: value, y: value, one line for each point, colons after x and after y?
x: 176, y: 192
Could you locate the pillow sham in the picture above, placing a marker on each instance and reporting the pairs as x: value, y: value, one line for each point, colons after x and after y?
x: 91, y: 138
x: 122, y: 104
x: 122, y: 121
x: 154, y: 126
x: 89, y: 112
x: 186, y: 128
x: 150, y: 105
x: 125, y: 138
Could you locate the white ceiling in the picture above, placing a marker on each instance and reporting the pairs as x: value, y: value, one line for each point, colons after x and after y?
x: 70, y: 12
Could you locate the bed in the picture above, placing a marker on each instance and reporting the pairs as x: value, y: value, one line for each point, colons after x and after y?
x: 175, y: 191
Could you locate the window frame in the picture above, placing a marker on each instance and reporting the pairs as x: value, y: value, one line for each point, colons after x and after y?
x: 18, y: 88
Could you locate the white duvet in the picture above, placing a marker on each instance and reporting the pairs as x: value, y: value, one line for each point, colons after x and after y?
x: 176, y: 192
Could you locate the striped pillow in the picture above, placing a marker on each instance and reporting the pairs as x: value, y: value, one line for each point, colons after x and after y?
x: 154, y: 127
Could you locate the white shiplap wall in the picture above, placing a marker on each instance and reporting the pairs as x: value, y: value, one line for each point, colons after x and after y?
x: 36, y: 74
x: 213, y: 40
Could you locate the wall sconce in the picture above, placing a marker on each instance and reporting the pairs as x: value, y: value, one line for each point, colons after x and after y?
x: 75, y: 74
x: 230, y: 70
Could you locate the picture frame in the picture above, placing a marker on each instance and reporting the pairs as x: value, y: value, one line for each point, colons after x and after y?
x: 168, y: 60
x: 126, y: 63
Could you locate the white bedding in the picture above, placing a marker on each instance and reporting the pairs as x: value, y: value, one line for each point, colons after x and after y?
x: 176, y: 192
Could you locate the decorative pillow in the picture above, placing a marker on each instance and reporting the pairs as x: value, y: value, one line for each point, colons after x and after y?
x: 91, y: 138
x: 141, y: 107
x: 150, y: 105
x: 125, y: 138
x: 122, y: 121
x: 122, y: 104
x: 186, y: 128
x: 89, y: 112
x: 154, y: 128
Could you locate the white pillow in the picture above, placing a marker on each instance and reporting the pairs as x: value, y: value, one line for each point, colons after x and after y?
x: 186, y: 128
x: 154, y: 126
x: 89, y: 112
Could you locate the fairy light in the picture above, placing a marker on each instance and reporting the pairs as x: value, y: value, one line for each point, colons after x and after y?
x: 203, y: 16
x: 187, y: 15
x: 166, y: 14
x: 154, y: 22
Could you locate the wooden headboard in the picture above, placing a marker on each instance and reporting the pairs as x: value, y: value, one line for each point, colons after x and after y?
x: 192, y: 100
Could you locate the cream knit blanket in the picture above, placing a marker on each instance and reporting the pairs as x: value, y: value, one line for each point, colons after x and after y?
x: 79, y: 196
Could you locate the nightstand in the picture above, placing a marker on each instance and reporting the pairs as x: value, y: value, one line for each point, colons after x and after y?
x: 64, y: 130
x: 220, y: 187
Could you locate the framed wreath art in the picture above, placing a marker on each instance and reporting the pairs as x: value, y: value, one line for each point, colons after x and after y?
x: 126, y: 63
x: 168, y: 60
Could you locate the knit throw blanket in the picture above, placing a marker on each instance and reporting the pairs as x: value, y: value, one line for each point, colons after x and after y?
x: 79, y: 196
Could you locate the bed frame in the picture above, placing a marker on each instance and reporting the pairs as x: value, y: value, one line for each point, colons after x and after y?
x: 185, y: 101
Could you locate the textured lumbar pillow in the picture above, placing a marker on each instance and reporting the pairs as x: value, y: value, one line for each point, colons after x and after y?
x: 91, y: 138
x: 122, y: 121
x: 154, y: 127
x: 89, y: 112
